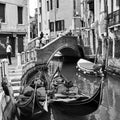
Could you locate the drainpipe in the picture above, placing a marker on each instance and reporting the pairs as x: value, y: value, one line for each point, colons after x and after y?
x: 28, y: 22
x: 113, y: 55
x: 55, y: 18
x: 38, y: 13
x: 106, y: 39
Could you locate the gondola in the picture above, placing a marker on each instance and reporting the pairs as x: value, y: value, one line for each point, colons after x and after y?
x: 33, y: 97
x: 77, y: 104
x: 89, y: 68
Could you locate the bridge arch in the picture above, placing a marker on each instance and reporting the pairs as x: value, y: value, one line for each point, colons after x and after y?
x: 44, y: 54
x: 66, y: 51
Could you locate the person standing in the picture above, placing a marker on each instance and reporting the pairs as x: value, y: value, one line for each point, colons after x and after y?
x: 38, y: 43
x: 41, y: 35
x: 9, y: 51
x: 43, y: 41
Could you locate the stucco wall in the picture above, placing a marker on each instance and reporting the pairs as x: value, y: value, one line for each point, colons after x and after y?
x: 11, y: 16
x: 66, y: 7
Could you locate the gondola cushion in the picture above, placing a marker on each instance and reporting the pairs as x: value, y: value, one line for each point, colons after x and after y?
x: 28, y: 91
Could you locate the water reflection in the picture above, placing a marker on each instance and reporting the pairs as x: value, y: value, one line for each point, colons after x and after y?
x: 110, y: 107
x: 114, y: 98
x: 87, y: 86
x: 54, y: 64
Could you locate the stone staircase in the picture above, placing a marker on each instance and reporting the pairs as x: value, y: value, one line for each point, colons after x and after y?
x: 14, y: 75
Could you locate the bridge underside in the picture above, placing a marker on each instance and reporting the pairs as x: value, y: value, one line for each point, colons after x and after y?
x: 68, y: 52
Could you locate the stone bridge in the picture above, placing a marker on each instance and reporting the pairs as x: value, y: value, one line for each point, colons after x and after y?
x: 67, y: 45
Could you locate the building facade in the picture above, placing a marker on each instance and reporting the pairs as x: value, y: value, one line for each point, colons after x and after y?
x: 34, y: 26
x: 13, y: 25
x: 87, y: 32
x: 114, y: 27
x: 56, y: 16
x: 107, y: 16
x: 93, y: 19
x: 101, y: 19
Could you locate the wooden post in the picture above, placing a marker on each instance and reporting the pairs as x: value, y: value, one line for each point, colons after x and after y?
x: 16, y: 45
x: 106, y: 38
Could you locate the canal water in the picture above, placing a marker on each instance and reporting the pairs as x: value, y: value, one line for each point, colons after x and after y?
x: 110, y: 107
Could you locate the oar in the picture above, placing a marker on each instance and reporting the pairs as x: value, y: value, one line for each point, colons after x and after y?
x: 34, y: 98
x: 54, y: 74
x: 45, y: 106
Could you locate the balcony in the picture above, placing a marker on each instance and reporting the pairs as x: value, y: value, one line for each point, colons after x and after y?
x: 114, y: 18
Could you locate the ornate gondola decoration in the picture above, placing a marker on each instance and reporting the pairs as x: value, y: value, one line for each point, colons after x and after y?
x: 77, y: 104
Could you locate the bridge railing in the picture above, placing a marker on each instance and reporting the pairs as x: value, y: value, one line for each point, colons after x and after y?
x: 28, y: 59
x: 32, y: 43
x: 30, y: 53
x: 34, y: 54
x: 28, y: 56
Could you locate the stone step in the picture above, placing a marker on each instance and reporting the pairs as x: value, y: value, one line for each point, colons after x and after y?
x: 15, y: 83
x: 14, y: 71
x: 14, y: 77
x: 15, y: 80
x: 15, y: 74
x: 16, y: 90
x: 16, y: 94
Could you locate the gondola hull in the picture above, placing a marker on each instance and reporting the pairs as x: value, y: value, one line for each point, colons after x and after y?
x: 26, y: 109
x: 81, y: 105
x: 30, y: 103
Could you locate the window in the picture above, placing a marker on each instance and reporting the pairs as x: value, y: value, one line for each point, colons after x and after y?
x: 40, y: 10
x: 59, y: 25
x: 51, y: 4
x: 74, y: 4
x: 2, y: 12
x: 62, y: 25
x: 40, y: 26
x: 47, y: 5
x: 117, y: 2
x: 57, y: 3
x: 48, y: 24
x: 20, y: 15
x: 51, y: 26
